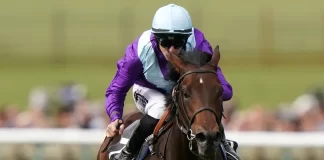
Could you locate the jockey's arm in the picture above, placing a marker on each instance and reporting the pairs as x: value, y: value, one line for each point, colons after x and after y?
x: 203, y: 45
x: 227, y: 87
x: 129, y: 68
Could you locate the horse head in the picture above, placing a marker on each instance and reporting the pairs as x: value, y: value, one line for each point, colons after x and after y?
x: 197, y: 97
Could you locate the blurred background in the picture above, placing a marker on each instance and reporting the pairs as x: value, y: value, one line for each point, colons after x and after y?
x: 58, y: 57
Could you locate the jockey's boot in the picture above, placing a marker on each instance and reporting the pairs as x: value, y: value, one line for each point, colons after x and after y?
x: 230, y: 147
x: 143, y: 129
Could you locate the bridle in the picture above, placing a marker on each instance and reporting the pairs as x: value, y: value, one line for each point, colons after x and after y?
x: 186, y: 129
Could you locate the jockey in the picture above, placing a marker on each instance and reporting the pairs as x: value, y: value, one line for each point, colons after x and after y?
x: 144, y: 67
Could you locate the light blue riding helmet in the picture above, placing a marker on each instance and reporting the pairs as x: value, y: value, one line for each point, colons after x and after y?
x: 172, y: 19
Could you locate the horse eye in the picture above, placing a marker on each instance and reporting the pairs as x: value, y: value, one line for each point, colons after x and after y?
x: 185, y: 94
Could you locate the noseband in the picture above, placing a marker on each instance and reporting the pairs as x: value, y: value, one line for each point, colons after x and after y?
x: 187, y: 130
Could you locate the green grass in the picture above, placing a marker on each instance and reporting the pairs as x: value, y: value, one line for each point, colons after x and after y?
x: 98, y: 31
x: 252, y: 85
x: 97, y: 27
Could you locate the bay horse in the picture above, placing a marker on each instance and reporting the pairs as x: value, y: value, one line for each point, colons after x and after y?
x: 192, y: 129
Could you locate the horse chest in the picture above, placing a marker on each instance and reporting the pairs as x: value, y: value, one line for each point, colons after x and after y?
x: 170, y: 146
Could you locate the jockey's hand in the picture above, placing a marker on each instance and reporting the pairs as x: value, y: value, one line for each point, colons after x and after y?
x: 112, y: 130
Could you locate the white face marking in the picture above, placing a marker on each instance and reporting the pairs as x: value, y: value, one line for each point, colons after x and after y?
x: 201, y: 81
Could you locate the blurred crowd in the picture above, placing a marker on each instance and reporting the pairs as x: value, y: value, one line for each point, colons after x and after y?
x: 305, y: 113
x: 69, y: 107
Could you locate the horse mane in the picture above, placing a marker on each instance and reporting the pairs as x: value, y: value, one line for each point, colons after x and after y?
x: 195, y: 57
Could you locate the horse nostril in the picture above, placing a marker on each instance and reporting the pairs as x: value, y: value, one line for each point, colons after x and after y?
x: 217, y: 137
x: 201, y: 137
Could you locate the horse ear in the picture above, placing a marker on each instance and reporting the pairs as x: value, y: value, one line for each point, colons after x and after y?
x: 215, y: 57
x: 176, y: 61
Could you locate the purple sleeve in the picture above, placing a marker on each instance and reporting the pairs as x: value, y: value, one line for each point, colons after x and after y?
x: 228, y: 91
x: 203, y: 45
x: 128, y: 70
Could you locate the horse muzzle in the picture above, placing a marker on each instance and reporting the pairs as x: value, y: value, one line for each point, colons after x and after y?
x: 208, y: 143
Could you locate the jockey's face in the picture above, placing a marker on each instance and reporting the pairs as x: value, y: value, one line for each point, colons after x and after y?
x: 171, y: 43
x: 171, y: 49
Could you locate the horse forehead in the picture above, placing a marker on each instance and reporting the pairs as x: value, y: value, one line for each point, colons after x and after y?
x: 197, y: 81
x: 201, y: 81
x: 207, y: 80
x: 204, y: 78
